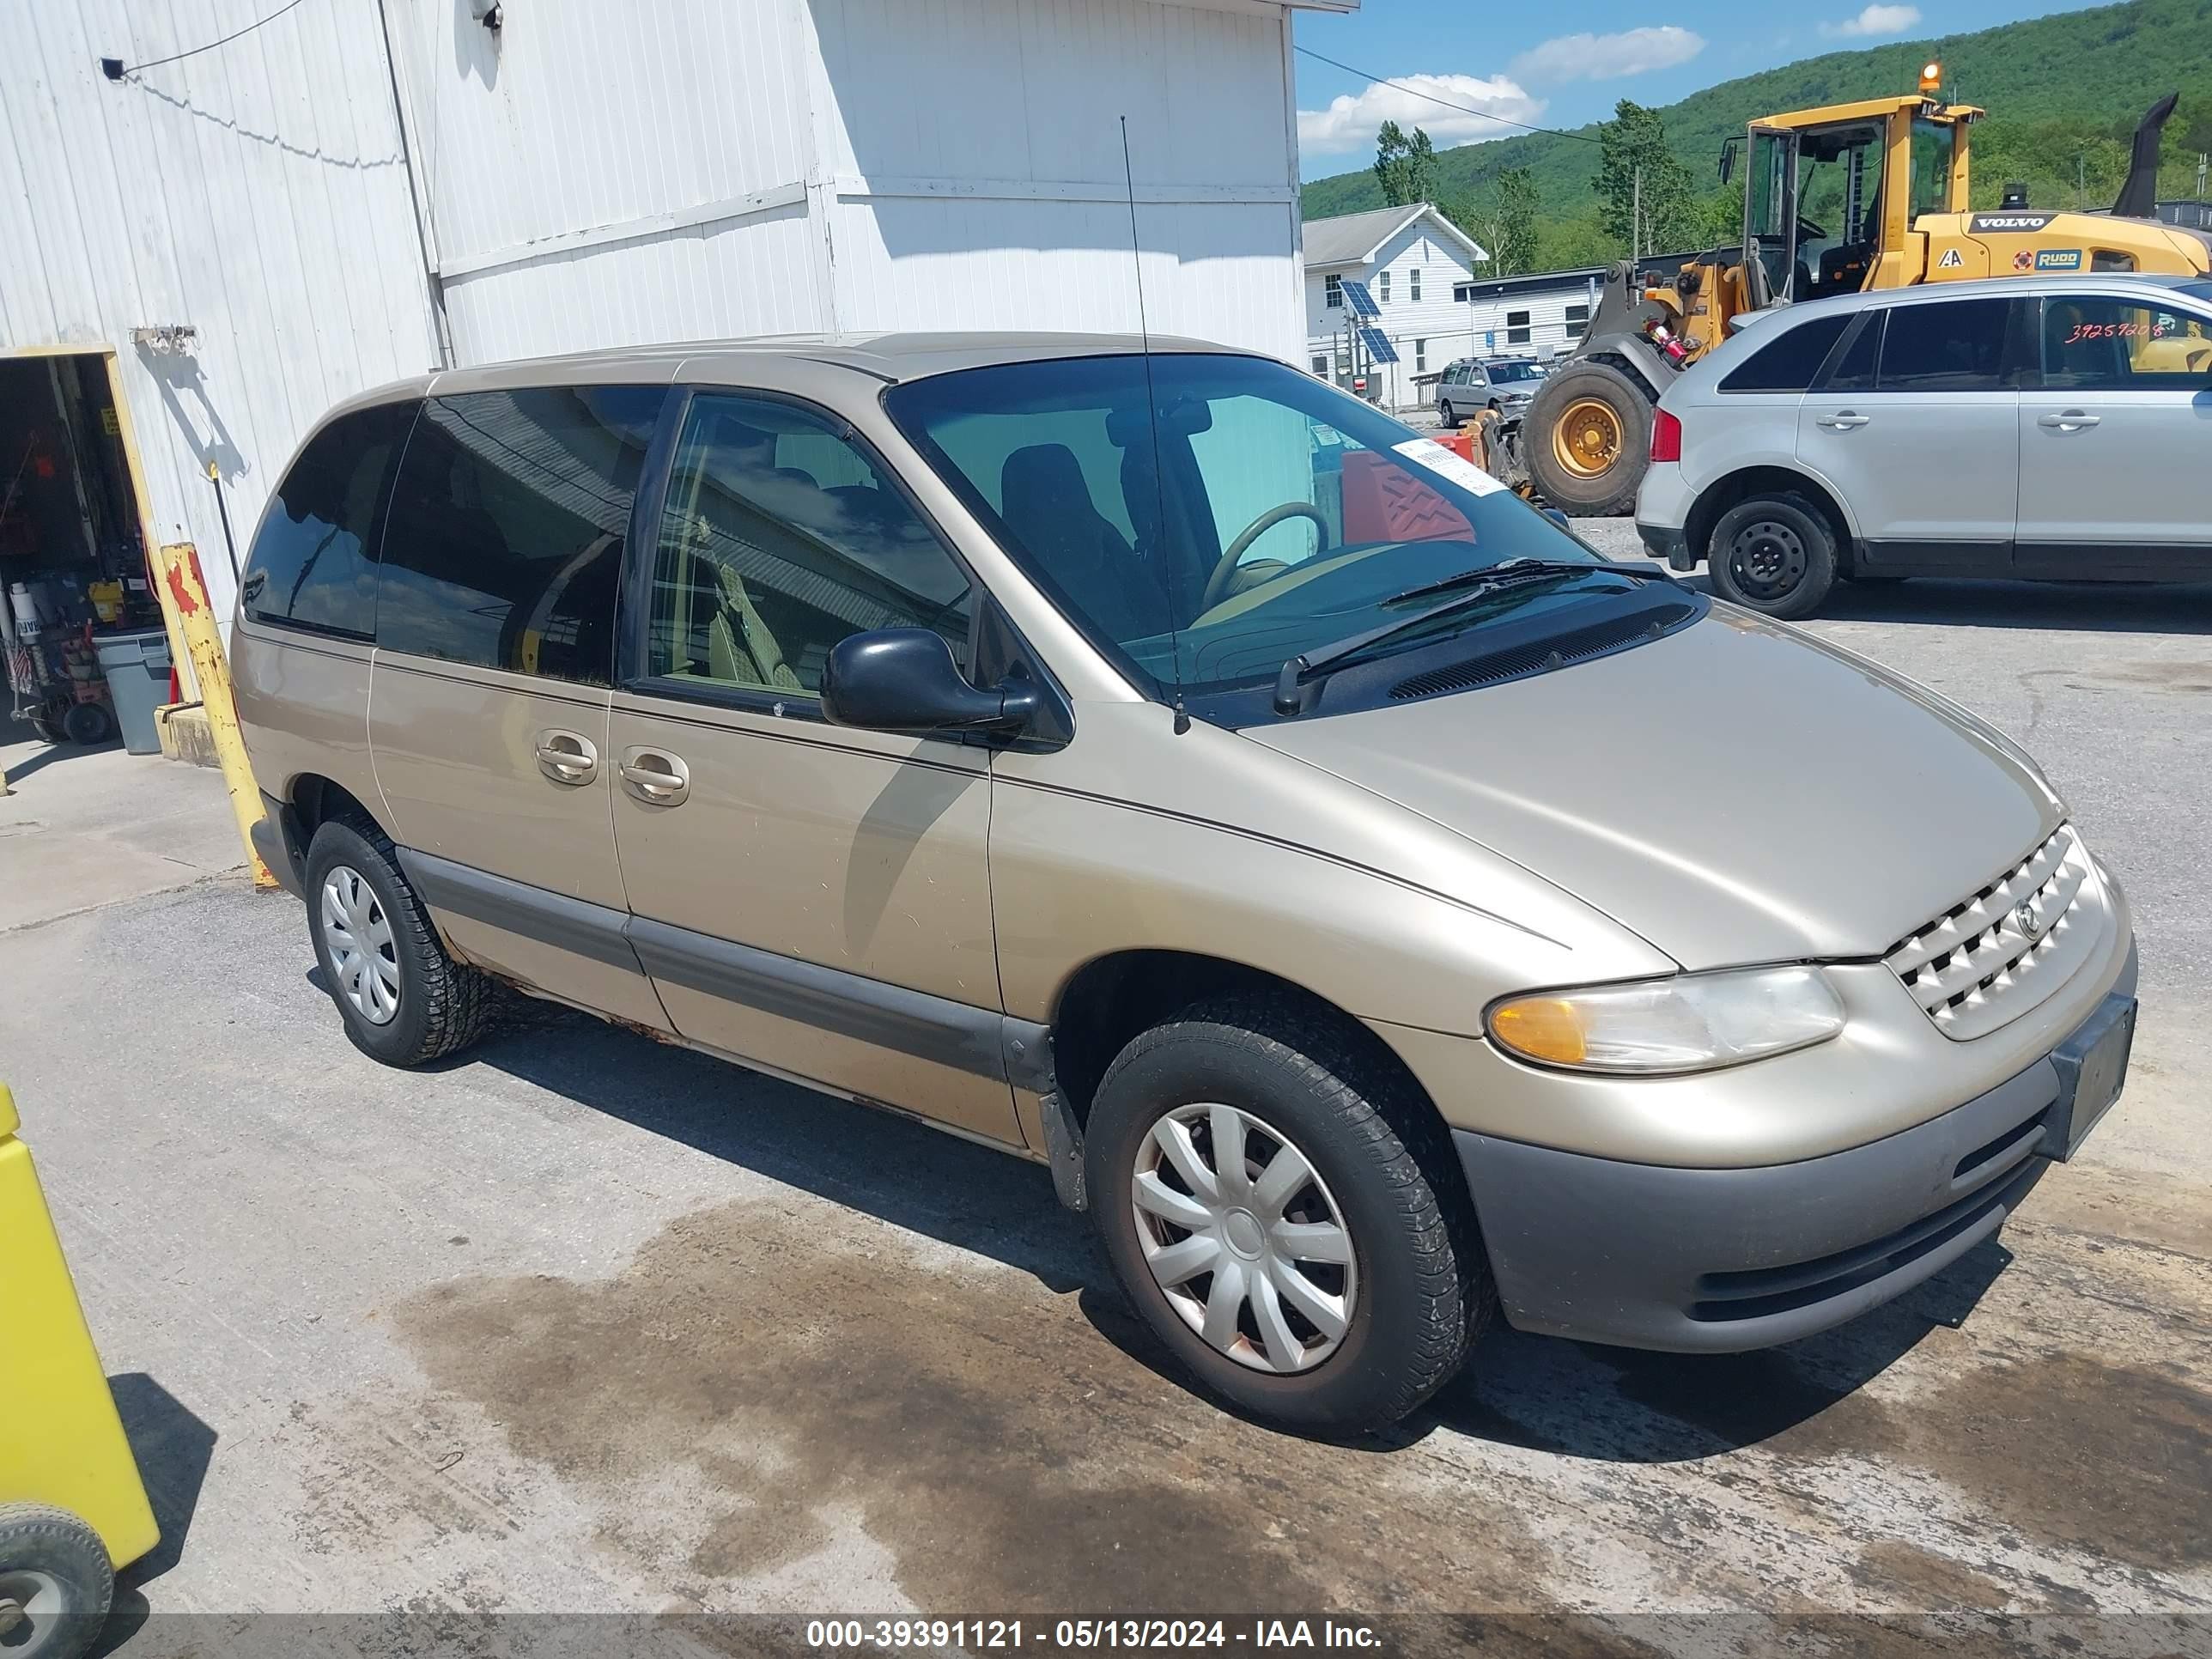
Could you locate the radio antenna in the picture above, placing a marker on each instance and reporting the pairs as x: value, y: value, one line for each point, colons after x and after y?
x: 1152, y: 423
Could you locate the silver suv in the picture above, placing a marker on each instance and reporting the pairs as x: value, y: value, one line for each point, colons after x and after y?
x: 1167, y: 768
x: 1472, y: 385
x: 2047, y: 428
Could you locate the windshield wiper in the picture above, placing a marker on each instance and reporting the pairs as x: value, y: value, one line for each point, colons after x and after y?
x: 1482, y: 584
x: 1510, y: 570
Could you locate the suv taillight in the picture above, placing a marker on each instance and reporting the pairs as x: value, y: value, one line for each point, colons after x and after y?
x: 1666, y: 437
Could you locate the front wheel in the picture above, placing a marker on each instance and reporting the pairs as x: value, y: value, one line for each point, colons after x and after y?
x: 1445, y: 417
x: 1282, y: 1217
x: 56, y: 1583
x: 1774, y: 554
x: 1588, y: 438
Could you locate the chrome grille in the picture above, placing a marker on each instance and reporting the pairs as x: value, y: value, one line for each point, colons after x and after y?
x: 1994, y: 957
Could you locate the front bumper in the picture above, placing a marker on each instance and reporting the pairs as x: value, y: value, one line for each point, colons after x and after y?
x: 1720, y: 1260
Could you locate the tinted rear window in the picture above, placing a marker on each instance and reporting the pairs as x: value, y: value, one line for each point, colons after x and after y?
x: 1790, y: 362
x: 504, y: 547
x: 314, y: 563
x: 1958, y: 346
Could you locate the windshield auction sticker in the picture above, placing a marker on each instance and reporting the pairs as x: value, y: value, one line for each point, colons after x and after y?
x: 1426, y: 451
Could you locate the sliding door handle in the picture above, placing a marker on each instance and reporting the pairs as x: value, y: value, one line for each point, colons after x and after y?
x: 566, y: 756
x: 655, y: 776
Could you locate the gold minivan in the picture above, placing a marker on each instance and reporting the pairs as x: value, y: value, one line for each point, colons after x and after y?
x: 1378, y: 911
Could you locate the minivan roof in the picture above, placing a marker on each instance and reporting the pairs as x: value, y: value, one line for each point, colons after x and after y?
x: 889, y: 357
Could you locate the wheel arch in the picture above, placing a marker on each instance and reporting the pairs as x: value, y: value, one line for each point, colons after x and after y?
x: 1767, y: 479
x: 1113, y: 998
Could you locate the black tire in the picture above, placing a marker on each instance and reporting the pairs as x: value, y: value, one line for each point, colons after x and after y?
x: 87, y: 724
x: 1773, y: 554
x: 1611, y: 489
x: 443, y: 1005
x: 1445, y: 416
x: 1424, y: 1291
x: 57, y: 1568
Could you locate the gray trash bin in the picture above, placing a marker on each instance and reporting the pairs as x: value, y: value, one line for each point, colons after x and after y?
x: 138, y: 670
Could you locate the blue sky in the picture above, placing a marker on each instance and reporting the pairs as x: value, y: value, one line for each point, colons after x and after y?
x: 1564, y: 66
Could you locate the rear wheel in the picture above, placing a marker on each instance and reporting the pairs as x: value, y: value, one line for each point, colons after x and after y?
x: 1587, y: 438
x: 1775, y: 554
x: 1282, y: 1217
x: 56, y: 1583
x: 403, y: 998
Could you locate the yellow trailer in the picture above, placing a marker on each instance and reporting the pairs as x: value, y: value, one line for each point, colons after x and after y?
x: 72, y: 1507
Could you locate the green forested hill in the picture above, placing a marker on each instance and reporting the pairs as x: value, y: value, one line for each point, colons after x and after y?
x: 2064, y: 93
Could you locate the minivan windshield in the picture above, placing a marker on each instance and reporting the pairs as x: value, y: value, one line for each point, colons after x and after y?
x: 1261, y: 515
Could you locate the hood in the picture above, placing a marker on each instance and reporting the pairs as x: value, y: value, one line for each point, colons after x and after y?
x: 1735, y: 793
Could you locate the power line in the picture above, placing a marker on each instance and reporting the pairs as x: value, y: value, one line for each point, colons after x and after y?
x: 1466, y: 109
x: 115, y: 69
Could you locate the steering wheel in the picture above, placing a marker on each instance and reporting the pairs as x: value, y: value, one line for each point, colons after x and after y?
x: 1217, y: 585
x: 1809, y: 232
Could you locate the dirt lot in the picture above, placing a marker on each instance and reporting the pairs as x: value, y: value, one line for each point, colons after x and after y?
x: 582, y: 1323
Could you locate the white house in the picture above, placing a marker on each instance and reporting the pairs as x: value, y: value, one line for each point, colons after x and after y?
x: 1412, y: 259
x: 204, y: 254
x: 1537, y: 316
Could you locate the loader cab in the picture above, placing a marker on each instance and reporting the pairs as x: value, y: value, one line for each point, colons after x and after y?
x: 1830, y: 195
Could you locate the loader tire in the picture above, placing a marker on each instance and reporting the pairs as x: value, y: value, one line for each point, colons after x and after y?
x: 1586, y: 438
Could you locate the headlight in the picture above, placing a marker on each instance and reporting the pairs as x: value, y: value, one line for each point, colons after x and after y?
x: 1691, y: 1023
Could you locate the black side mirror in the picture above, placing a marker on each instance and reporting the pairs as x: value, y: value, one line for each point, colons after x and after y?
x: 904, y: 679
x: 1556, y: 518
x: 1728, y: 158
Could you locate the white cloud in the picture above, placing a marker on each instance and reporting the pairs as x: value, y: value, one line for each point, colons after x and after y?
x: 1874, y: 20
x: 1603, y: 56
x: 1350, y: 122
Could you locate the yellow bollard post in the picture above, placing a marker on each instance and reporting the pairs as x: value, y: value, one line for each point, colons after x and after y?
x: 185, y: 596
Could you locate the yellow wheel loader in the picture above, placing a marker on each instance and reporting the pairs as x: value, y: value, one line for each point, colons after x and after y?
x: 1869, y: 195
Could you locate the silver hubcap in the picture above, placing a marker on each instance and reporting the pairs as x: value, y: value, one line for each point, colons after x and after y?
x: 31, y: 1603
x: 1245, y: 1238
x: 362, y: 955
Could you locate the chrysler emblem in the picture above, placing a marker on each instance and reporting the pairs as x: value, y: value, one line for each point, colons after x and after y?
x: 2025, y: 918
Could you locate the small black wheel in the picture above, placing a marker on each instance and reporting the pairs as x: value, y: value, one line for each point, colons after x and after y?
x: 403, y: 1000
x: 1773, y: 554
x: 87, y: 723
x: 1280, y: 1211
x: 56, y: 1583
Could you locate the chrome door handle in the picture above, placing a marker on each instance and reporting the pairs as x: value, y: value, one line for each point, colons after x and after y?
x: 2069, y: 420
x: 1842, y: 421
x: 655, y: 776
x: 566, y: 756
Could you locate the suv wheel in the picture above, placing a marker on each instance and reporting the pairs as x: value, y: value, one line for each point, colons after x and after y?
x: 403, y: 1000
x: 1445, y: 415
x: 1279, y: 1215
x: 1774, y: 554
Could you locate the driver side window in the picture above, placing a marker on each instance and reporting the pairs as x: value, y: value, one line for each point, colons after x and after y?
x: 779, y: 538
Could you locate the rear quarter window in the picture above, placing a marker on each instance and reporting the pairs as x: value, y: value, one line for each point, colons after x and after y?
x: 504, y: 542
x: 312, y: 564
x: 1792, y: 361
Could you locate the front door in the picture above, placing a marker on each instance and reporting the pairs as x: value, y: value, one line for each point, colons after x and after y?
x: 1770, y: 214
x: 2114, y: 440
x: 811, y: 898
x: 1916, y: 430
x: 487, y: 697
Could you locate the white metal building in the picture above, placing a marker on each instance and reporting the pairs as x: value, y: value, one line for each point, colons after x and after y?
x: 356, y: 189
x: 1412, y: 259
x: 1540, y: 316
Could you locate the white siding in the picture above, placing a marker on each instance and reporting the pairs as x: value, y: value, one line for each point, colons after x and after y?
x: 1491, y: 320
x: 796, y: 165
x: 255, y: 193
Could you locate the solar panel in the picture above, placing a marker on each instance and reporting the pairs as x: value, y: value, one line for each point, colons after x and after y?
x: 1356, y: 297
x: 1379, y: 348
